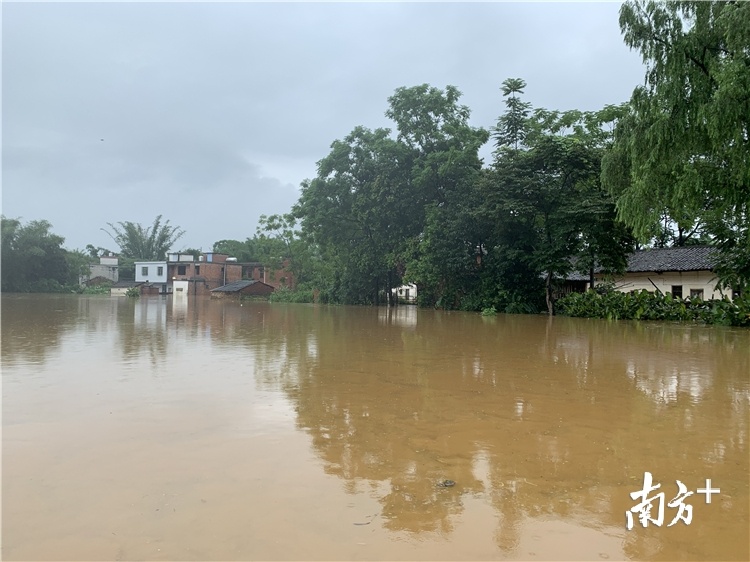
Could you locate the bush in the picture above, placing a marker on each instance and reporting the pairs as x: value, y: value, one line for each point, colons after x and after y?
x: 285, y: 294
x: 642, y: 305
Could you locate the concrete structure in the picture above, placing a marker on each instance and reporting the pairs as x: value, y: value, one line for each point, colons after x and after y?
x: 107, y: 268
x: 154, y: 272
x: 684, y: 272
x: 244, y: 287
x: 406, y: 293
x: 277, y: 278
x: 121, y: 287
x: 212, y: 270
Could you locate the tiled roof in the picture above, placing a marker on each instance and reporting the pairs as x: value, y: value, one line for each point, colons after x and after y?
x: 684, y: 258
x: 235, y: 286
x: 128, y: 284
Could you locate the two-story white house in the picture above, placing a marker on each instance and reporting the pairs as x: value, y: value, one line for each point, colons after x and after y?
x: 154, y: 272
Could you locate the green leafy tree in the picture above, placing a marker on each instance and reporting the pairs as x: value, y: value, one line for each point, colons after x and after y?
x: 356, y: 212
x: 246, y: 251
x: 95, y: 252
x: 33, y: 259
x: 547, y: 202
x: 683, y: 146
x: 444, y: 167
x: 145, y: 243
x: 511, y: 127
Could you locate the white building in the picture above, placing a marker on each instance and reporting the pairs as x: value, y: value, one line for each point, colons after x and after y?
x: 154, y: 272
x: 406, y: 293
x: 685, y: 271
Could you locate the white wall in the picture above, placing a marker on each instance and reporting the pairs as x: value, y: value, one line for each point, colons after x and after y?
x: 700, y: 280
x: 152, y: 273
x: 180, y: 288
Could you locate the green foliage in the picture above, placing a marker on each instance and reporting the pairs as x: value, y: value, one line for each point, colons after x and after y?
x: 103, y: 289
x: 133, y: 292
x: 145, y: 243
x: 489, y: 311
x: 78, y: 265
x: 284, y: 294
x: 681, y: 149
x: 33, y: 259
x: 511, y: 128
x: 643, y: 305
x: 244, y: 251
x: 370, y: 203
x: 544, y: 198
x: 95, y: 252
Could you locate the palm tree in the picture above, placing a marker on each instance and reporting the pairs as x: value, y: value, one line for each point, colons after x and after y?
x: 150, y: 243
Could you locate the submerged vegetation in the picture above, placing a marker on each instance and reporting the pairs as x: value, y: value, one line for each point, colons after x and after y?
x: 642, y: 305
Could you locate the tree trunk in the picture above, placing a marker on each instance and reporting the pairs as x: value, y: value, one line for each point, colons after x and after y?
x: 550, y: 300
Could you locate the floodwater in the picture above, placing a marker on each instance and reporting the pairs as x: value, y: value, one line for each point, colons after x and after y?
x: 163, y: 429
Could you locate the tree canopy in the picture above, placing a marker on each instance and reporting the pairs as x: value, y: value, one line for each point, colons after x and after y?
x: 33, y: 258
x: 145, y: 243
x: 682, y: 149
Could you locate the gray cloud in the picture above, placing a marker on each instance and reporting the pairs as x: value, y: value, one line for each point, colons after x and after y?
x: 212, y: 114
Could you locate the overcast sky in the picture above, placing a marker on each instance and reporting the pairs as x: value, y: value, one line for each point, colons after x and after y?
x: 212, y: 114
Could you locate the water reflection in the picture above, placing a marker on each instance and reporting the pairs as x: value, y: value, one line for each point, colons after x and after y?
x: 545, y: 425
x: 565, y: 416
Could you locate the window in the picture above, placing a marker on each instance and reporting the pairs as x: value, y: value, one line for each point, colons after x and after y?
x: 181, y: 269
x: 677, y: 291
x: 197, y: 270
x: 144, y: 271
x: 160, y: 271
x: 696, y: 294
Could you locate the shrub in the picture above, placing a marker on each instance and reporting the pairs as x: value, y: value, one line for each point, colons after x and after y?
x: 643, y: 305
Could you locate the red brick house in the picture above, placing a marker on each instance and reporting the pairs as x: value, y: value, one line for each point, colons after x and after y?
x: 276, y: 277
x: 212, y: 270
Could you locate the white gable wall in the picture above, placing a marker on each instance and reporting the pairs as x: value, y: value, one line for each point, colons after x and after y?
x: 696, y: 280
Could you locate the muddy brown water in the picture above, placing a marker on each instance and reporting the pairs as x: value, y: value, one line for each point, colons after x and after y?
x: 174, y: 430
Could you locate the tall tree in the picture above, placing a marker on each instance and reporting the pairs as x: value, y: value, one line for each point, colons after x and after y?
x: 511, y: 128
x: 33, y: 258
x: 145, y: 243
x: 357, y: 212
x: 683, y: 147
x: 444, y: 171
x: 547, y: 201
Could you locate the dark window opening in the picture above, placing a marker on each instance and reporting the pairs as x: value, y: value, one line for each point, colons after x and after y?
x: 677, y: 291
x: 181, y: 269
x: 197, y: 270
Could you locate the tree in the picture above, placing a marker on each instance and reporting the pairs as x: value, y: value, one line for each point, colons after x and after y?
x: 149, y: 243
x: 683, y: 146
x: 358, y: 212
x: 244, y: 251
x: 546, y: 200
x: 511, y: 128
x: 33, y: 258
x: 444, y: 167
